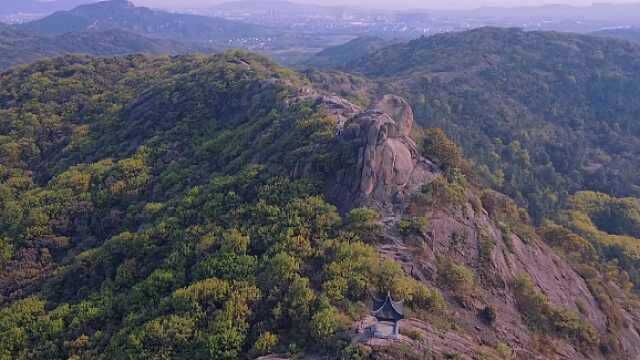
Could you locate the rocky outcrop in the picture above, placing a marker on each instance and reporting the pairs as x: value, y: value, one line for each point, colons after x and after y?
x: 389, y: 166
x: 460, y: 235
x: 387, y: 169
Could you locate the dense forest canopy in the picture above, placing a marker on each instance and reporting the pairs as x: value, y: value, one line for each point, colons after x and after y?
x: 544, y: 114
x: 181, y: 206
x: 20, y: 47
x: 339, y: 56
x: 630, y: 34
x: 147, y: 211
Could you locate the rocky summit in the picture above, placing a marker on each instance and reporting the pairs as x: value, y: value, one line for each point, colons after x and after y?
x: 389, y: 166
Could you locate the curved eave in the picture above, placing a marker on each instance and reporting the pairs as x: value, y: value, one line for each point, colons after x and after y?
x: 396, y: 306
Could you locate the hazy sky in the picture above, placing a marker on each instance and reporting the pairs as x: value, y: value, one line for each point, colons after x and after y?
x: 433, y: 4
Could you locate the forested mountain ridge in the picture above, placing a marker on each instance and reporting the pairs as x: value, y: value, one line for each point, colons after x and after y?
x: 630, y: 34
x: 186, y: 208
x: 124, y: 15
x: 339, y: 56
x: 20, y: 47
x: 543, y: 114
x: 152, y: 132
x: 38, y: 7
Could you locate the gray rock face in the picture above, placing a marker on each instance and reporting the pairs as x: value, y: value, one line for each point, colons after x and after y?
x: 339, y: 108
x: 389, y: 166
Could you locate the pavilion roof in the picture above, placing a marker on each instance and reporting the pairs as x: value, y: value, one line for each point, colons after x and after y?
x: 388, y: 309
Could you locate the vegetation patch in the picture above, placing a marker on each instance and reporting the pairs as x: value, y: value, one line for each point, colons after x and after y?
x: 414, y: 226
x: 541, y: 316
x: 456, y: 277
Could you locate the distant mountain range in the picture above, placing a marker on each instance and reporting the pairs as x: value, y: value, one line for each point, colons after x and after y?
x: 40, y: 7
x: 20, y: 47
x: 341, y: 55
x: 629, y: 34
x: 566, y: 18
x: 597, y: 11
x: 124, y: 15
x: 282, y: 6
x: 278, y: 9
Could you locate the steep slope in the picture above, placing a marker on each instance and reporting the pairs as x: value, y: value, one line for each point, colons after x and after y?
x: 124, y: 15
x: 19, y: 47
x: 543, y: 114
x: 478, y: 247
x: 222, y: 207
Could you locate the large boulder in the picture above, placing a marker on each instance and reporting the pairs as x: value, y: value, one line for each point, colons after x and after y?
x: 389, y: 166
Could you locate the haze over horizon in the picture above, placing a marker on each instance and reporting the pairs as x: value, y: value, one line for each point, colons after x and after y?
x: 381, y: 4
x: 396, y: 4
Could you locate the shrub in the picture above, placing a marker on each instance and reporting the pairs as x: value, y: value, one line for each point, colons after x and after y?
x: 507, y: 212
x: 413, y: 334
x: 365, y: 222
x: 569, y: 324
x: 391, y: 277
x: 438, y: 147
x: 413, y: 226
x: 542, y: 316
x: 504, y: 351
x: 265, y: 343
x: 324, y: 323
x: 456, y: 277
x: 426, y: 298
x: 226, y: 266
x: 355, y: 352
x: 559, y: 237
x: 442, y: 192
x: 488, y: 315
x: 6, y: 251
x: 486, y: 246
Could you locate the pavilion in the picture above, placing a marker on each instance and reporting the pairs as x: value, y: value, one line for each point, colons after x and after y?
x: 388, y: 313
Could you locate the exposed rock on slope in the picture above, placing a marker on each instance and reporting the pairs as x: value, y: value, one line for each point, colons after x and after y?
x: 143, y: 222
x: 389, y: 166
x: 389, y: 175
x: 564, y: 105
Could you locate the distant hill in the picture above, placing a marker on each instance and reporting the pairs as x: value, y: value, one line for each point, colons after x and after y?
x: 283, y: 9
x: 266, y: 6
x: 19, y: 47
x: 598, y: 11
x: 629, y: 34
x: 124, y: 15
x: 555, y: 17
x: 35, y: 6
x: 543, y: 114
x: 341, y: 55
